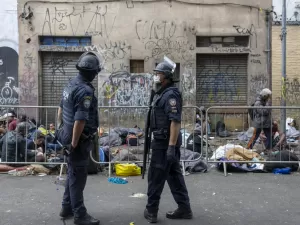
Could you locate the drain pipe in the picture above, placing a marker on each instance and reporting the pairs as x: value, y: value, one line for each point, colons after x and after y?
x: 269, y: 46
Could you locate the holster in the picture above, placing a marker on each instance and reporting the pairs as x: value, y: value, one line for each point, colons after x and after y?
x: 160, y: 134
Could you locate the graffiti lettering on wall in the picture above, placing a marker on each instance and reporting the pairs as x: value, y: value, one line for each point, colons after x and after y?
x: 155, y: 29
x: 257, y: 83
x: 112, y: 50
x: 28, y: 84
x: 293, y: 91
x: 58, y: 64
x: 231, y: 49
x: 221, y: 84
x: 178, y: 48
x: 251, y: 32
x: 118, y: 67
x: 255, y: 58
x: 125, y: 89
x: 8, y: 76
x: 75, y: 20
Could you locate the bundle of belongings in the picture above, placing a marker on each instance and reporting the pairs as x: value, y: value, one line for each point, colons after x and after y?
x: 292, y: 133
x: 234, y: 153
x: 120, y: 135
x: 111, y: 149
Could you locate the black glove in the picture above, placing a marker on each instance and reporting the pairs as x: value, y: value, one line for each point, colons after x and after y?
x: 67, y: 149
x: 171, y: 154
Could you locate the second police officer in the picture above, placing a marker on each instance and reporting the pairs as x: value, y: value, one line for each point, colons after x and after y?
x: 165, y: 124
x: 78, y: 115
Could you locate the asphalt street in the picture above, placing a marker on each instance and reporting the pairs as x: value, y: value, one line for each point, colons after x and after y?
x: 239, y: 199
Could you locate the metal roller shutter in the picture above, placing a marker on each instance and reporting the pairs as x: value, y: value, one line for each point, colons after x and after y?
x: 221, y: 79
x: 57, y: 69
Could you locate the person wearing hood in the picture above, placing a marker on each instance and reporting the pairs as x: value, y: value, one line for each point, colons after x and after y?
x: 262, y: 119
x: 165, y: 122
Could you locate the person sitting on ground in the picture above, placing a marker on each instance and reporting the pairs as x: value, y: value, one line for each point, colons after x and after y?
x: 13, y: 145
x: 52, y: 128
x: 278, y: 138
x: 38, y: 142
x: 22, y: 118
x: 11, y: 120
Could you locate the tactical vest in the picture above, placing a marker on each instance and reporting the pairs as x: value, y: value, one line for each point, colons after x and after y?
x: 159, y: 120
x: 92, y: 124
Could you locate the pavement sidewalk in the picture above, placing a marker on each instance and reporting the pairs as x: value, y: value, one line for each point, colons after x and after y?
x: 239, y: 199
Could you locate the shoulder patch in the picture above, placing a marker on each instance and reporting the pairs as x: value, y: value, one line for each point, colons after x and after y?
x: 87, y: 100
x: 172, y: 102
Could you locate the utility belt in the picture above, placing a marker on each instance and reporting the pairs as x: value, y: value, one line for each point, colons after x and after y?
x: 161, y: 134
x: 85, y: 137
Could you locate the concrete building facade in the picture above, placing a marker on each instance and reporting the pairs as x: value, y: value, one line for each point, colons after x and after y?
x: 222, y: 48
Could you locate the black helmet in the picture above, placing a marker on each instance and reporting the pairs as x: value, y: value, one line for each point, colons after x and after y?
x: 88, y: 62
x: 165, y: 68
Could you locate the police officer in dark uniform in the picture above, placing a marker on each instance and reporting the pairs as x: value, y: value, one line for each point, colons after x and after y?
x: 165, y: 160
x: 79, y: 122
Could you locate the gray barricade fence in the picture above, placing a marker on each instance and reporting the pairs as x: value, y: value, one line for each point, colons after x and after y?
x: 252, y: 139
x: 118, y: 124
x: 32, y: 143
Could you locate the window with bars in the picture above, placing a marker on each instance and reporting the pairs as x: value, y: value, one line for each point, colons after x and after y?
x: 226, y: 41
x: 137, y: 66
x: 65, y: 41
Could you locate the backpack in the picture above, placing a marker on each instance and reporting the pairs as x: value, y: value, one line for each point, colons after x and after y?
x: 251, y: 112
x: 132, y: 140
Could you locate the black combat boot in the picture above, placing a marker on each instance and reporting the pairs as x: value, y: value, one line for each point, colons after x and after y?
x: 66, y: 212
x: 86, y: 220
x: 151, y: 217
x: 180, y: 214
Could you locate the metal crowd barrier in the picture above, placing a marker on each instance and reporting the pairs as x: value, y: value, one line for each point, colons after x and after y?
x: 237, y: 122
x: 116, y: 119
x: 111, y: 118
x: 47, y: 114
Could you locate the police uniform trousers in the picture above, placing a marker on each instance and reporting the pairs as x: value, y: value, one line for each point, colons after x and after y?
x: 76, y: 178
x: 161, y: 171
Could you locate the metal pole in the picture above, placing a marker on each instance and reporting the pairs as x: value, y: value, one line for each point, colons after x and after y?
x: 283, y: 71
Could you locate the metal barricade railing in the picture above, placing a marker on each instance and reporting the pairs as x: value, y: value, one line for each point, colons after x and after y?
x: 114, y: 119
x: 111, y: 117
x: 24, y: 145
x: 241, y: 149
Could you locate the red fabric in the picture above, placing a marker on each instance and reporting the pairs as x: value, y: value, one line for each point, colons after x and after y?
x: 12, y: 125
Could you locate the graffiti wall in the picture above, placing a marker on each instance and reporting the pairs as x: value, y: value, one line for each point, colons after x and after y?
x: 9, y: 83
x: 140, y: 32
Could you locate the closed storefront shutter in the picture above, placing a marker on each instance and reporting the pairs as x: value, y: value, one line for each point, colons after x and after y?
x: 57, y: 69
x: 221, y: 80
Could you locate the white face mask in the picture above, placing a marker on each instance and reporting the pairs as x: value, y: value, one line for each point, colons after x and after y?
x: 156, y: 79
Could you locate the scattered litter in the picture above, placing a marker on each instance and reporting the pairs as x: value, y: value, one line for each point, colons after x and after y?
x: 138, y: 195
x: 131, y: 223
x: 42, y: 174
x: 117, y: 180
x: 214, y: 193
x: 60, y: 181
x: 21, y: 172
x: 8, y: 211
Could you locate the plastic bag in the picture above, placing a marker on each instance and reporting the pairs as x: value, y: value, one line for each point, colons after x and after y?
x: 128, y: 169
